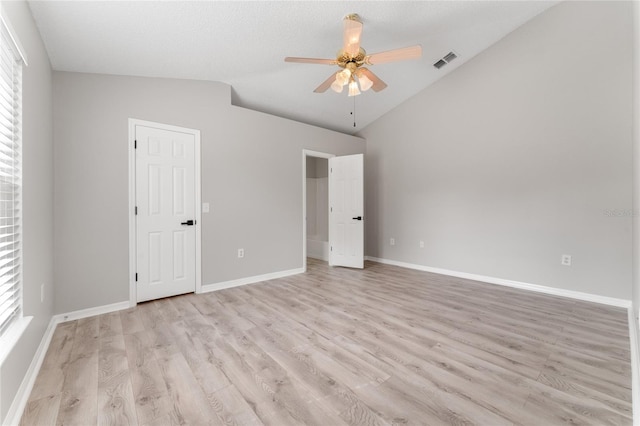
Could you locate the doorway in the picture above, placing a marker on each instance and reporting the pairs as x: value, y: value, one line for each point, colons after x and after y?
x: 318, y: 208
x: 344, y: 211
x: 315, y: 205
x: 164, y: 198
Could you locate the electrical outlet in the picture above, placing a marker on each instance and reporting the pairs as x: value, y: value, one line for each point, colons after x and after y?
x: 392, y: 241
x: 41, y: 293
x: 240, y: 253
x: 205, y: 207
x: 566, y: 260
x: 421, y: 244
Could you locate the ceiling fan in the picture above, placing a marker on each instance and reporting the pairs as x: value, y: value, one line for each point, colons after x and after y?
x: 352, y: 58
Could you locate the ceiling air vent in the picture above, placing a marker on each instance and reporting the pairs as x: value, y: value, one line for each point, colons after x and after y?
x: 450, y: 57
x: 445, y: 60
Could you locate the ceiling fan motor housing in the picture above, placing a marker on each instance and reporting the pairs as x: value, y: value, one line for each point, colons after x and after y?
x: 344, y: 59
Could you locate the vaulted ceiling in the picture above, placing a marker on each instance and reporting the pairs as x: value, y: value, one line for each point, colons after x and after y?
x: 244, y: 43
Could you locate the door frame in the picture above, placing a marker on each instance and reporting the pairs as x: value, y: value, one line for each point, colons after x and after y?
x: 309, y: 153
x: 133, y: 122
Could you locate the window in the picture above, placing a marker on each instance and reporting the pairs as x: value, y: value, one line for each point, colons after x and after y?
x: 10, y: 179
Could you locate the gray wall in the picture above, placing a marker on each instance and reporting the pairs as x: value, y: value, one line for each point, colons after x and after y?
x: 317, y: 167
x: 636, y: 159
x: 636, y: 180
x: 251, y: 176
x: 311, y: 167
x: 37, y: 196
x: 520, y: 156
x: 318, y: 198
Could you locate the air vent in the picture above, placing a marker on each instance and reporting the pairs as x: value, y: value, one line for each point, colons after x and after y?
x: 450, y: 57
x: 445, y: 60
x: 441, y: 63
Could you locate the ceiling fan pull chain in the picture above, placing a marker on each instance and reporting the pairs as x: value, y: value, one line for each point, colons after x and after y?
x: 354, y: 111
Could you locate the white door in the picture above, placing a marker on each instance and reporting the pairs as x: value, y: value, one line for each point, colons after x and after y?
x: 346, y: 222
x: 165, y: 219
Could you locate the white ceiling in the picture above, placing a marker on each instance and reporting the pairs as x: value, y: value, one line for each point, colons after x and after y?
x: 243, y: 44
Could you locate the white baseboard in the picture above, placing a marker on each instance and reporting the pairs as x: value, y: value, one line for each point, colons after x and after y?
x: 588, y: 297
x: 22, y: 395
x: 90, y: 312
x: 318, y: 250
x: 250, y: 280
x: 635, y: 366
x: 324, y: 258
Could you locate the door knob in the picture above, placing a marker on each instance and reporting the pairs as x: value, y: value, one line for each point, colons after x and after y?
x: 357, y: 218
x: 189, y: 222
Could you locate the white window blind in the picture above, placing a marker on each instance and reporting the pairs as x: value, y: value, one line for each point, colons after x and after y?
x: 10, y: 181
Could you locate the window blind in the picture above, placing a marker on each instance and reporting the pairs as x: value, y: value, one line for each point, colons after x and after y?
x: 10, y: 182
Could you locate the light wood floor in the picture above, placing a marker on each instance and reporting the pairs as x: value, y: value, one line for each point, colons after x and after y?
x: 335, y: 346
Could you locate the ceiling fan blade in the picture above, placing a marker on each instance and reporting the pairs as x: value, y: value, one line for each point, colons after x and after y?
x: 412, y: 52
x: 352, y: 32
x: 310, y: 60
x: 326, y: 84
x: 378, y: 84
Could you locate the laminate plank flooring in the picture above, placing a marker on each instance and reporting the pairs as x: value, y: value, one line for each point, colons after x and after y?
x: 334, y: 346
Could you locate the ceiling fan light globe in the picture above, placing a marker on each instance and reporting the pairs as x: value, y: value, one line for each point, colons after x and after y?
x: 343, y: 76
x: 353, y: 88
x: 365, y: 83
x: 336, y: 86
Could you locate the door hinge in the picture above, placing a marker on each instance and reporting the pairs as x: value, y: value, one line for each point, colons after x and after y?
x: 331, y: 248
x: 135, y: 144
x: 136, y: 277
x: 136, y: 210
x: 331, y: 209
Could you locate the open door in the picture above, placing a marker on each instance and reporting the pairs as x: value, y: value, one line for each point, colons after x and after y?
x: 346, y: 221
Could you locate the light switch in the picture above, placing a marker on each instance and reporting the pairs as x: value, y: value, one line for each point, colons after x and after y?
x: 205, y: 207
